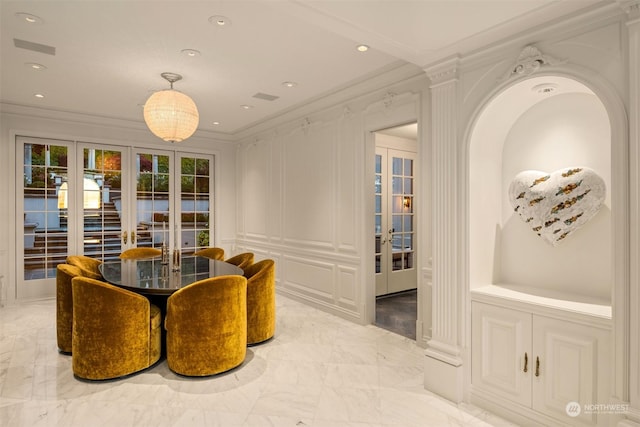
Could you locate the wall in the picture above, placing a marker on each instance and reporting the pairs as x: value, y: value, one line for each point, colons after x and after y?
x: 589, y: 49
x: 562, y: 131
x: 307, y: 196
x: 545, y: 133
x: 41, y: 123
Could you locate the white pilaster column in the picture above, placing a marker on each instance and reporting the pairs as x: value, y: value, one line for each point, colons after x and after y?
x: 633, y: 26
x: 443, y: 362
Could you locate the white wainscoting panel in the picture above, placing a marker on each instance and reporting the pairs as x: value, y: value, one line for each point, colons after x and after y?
x: 350, y: 171
x: 309, y: 277
x: 256, y: 196
x: 309, y: 189
x: 347, y: 291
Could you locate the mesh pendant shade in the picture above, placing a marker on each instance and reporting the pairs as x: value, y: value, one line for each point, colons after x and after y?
x: 171, y: 115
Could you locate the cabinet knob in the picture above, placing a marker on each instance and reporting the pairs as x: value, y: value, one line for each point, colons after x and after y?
x: 537, y: 366
x: 526, y: 362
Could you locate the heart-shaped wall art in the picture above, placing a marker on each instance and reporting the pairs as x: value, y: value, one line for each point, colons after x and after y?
x: 556, y: 204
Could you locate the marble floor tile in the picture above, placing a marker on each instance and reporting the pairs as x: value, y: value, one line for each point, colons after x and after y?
x: 318, y: 371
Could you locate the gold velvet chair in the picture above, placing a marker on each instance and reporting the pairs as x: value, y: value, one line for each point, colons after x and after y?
x: 140, y: 253
x: 261, y: 301
x: 89, y: 266
x: 206, y: 324
x: 242, y: 260
x: 116, y: 332
x: 213, y: 253
x: 64, y: 305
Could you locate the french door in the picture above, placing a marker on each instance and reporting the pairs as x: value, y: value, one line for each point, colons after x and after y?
x: 98, y: 200
x: 394, y: 221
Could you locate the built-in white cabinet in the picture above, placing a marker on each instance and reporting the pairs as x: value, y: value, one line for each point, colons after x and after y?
x: 542, y: 366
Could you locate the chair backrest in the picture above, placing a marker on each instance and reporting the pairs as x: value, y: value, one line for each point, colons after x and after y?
x: 261, y: 301
x: 207, y: 297
x: 213, y: 253
x: 261, y: 270
x: 111, y: 330
x: 140, y: 253
x: 89, y: 266
x: 64, y: 305
x: 242, y: 260
x: 206, y: 324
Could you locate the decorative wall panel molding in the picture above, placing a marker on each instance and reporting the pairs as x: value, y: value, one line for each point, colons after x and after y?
x: 347, y: 288
x: 309, y: 277
x: 531, y: 60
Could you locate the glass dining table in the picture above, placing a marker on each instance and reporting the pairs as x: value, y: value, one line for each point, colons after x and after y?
x: 150, y: 276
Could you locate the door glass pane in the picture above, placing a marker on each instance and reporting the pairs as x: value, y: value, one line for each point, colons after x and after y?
x: 152, y: 199
x: 378, y: 214
x: 102, y: 203
x: 408, y: 186
x: 402, y: 218
x: 45, y: 187
x: 408, y: 223
x: 408, y: 167
x: 195, y: 203
x: 396, y: 166
x: 398, y: 204
x: 397, y: 223
x: 408, y: 260
x: 397, y: 185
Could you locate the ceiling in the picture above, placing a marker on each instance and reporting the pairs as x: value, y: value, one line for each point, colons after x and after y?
x: 104, y: 58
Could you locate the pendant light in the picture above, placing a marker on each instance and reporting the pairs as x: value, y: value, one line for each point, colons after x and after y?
x: 171, y: 115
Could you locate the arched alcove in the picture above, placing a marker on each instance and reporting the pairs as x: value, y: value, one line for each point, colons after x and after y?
x: 544, y: 123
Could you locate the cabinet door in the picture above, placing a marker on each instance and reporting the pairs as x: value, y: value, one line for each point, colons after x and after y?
x: 570, y: 355
x: 501, y: 343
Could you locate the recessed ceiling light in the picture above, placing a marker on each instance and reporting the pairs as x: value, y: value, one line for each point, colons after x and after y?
x: 38, y: 95
x: 35, y: 66
x: 545, y: 88
x: 362, y: 48
x: 29, y: 18
x: 190, y: 52
x: 220, y: 21
x: 289, y: 84
x: 216, y: 123
x: 247, y: 107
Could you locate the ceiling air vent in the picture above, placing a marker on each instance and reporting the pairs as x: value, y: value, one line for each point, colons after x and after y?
x: 265, y: 96
x: 36, y: 47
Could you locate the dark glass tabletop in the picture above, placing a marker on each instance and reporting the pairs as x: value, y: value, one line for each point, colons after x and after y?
x: 150, y: 276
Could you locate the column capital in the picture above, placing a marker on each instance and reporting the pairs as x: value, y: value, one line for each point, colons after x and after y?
x: 444, y: 71
x: 631, y: 8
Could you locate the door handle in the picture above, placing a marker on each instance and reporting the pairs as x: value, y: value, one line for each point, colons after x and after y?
x: 124, y: 237
x: 537, y: 366
x: 133, y: 237
x: 391, y: 230
x: 526, y: 362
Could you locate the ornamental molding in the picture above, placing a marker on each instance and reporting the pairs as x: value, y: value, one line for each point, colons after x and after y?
x: 388, y: 100
x: 306, y: 124
x: 631, y: 8
x: 347, y: 113
x: 530, y: 61
x: 444, y: 72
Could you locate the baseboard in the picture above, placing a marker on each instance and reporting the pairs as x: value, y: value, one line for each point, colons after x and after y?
x: 443, y: 379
